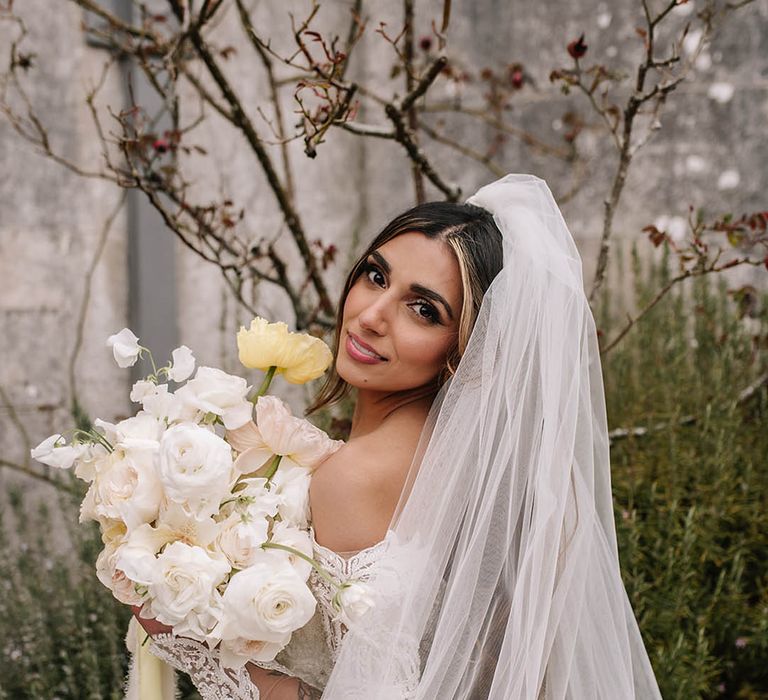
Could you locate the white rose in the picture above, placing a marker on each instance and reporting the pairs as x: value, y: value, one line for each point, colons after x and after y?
x: 182, y: 364
x: 214, y: 391
x: 353, y: 600
x: 184, y: 584
x: 125, y: 347
x: 125, y: 487
x: 268, y: 601
x: 113, y: 578
x: 290, y: 536
x: 195, y: 467
x: 54, y: 452
x: 240, y: 539
x: 235, y: 653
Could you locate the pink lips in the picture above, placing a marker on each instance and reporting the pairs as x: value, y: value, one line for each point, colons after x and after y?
x: 353, y: 345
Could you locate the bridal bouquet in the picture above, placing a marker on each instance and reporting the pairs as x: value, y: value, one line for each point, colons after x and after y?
x: 204, y: 510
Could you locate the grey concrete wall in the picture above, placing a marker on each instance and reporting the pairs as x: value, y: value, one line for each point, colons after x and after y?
x: 710, y: 152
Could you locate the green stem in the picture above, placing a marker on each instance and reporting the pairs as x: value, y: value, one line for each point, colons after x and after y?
x: 151, y: 359
x: 264, y: 384
x: 95, y: 435
x: 320, y: 570
x: 273, y: 467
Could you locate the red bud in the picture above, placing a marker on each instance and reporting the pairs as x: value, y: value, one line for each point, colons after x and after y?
x: 577, y: 48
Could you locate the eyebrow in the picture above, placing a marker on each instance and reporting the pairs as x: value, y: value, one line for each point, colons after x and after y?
x: 416, y: 288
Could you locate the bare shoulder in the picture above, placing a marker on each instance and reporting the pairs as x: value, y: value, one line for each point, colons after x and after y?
x: 353, y: 494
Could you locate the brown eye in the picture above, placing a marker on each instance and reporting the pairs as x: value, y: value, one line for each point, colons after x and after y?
x: 426, y: 311
x: 374, y: 275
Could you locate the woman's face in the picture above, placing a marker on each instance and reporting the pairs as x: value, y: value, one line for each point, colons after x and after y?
x: 401, y: 315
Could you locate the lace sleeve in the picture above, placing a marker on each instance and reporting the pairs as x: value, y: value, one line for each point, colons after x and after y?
x: 212, y: 681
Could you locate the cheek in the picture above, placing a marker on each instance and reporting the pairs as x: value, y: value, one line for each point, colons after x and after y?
x: 425, y: 351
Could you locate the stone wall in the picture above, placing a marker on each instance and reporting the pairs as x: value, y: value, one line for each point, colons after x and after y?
x: 710, y: 152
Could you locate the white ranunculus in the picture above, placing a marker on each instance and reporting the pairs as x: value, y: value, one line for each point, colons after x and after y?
x: 142, y: 431
x: 125, y: 347
x: 268, y: 601
x: 113, y: 578
x: 195, y: 467
x: 291, y: 483
x: 125, y: 487
x: 235, y: 653
x: 352, y: 602
x: 214, y: 391
x: 240, y: 539
x: 182, y: 364
x: 184, y: 582
x: 290, y: 536
x: 54, y: 452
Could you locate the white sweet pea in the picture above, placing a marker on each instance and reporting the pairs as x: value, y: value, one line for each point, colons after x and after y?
x: 195, y: 467
x: 291, y: 483
x: 353, y: 600
x: 142, y: 431
x: 137, y: 555
x: 182, y: 364
x: 184, y: 583
x: 214, y: 391
x: 240, y: 539
x: 253, y: 500
x: 125, y: 347
x: 268, y: 601
x: 141, y: 389
x: 161, y: 403
x: 54, y: 452
x: 288, y: 535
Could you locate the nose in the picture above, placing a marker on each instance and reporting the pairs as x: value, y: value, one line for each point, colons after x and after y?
x: 375, y: 316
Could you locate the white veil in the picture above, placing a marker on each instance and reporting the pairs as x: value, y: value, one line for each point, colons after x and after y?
x: 501, y: 579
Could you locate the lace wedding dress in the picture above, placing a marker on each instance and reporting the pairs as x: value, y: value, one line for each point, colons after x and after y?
x: 312, y: 651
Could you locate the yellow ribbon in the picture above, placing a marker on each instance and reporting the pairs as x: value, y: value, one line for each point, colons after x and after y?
x: 150, y: 678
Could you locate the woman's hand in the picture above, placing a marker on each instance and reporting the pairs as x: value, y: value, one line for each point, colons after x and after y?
x: 150, y: 625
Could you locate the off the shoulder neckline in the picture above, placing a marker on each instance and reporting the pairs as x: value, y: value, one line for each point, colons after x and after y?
x: 344, y: 555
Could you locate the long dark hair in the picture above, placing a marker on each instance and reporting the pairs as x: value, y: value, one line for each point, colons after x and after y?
x: 473, y: 236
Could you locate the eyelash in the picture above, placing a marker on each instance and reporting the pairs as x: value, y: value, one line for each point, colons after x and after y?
x: 434, y: 316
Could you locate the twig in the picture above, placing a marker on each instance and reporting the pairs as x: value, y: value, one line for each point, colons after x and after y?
x: 407, y: 105
x: 80, y: 327
x: 28, y: 471
x: 695, y: 272
x: 642, y: 431
x: 481, y: 158
x: 246, y: 127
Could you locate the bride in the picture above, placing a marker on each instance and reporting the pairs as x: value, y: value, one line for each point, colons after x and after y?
x: 473, y: 493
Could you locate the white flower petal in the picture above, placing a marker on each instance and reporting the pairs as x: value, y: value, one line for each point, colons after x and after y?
x: 125, y: 347
x: 183, y: 364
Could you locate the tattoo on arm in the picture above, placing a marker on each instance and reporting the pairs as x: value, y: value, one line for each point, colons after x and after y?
x: 307, y: 692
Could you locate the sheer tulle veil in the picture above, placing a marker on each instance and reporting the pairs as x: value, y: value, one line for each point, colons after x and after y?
x: 501, y: 579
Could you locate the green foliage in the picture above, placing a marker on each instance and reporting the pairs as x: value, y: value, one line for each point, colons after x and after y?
x: 690, y: 498
x: 62, y: 631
